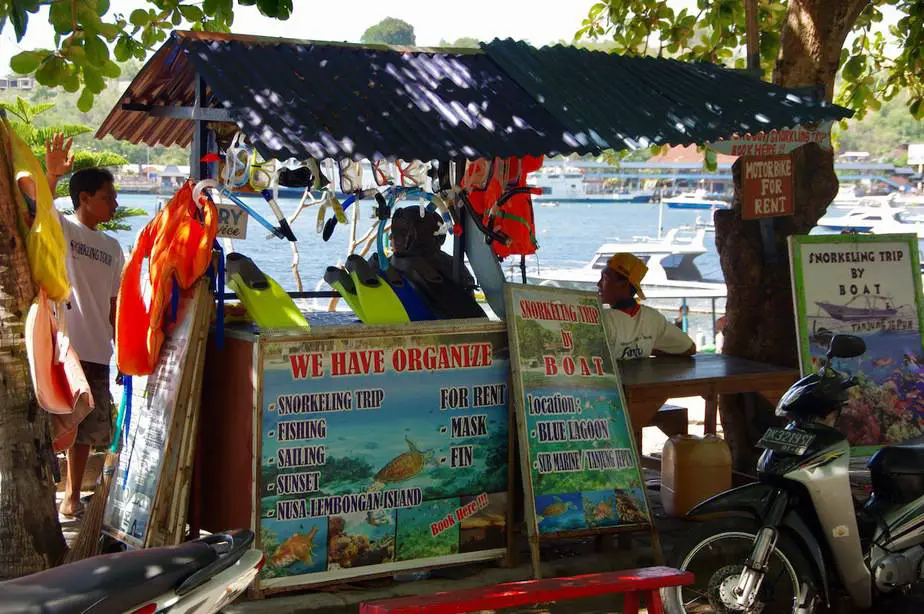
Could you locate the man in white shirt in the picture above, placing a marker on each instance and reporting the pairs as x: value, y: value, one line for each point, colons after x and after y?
x: 633, y: 330
x: 94, y: 265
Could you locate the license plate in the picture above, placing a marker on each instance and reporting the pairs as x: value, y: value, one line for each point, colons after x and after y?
x: 788, y: 441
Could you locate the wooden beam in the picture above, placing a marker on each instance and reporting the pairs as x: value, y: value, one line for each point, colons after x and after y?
x: 192, y: 113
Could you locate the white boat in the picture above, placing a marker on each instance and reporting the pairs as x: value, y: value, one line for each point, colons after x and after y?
x: 698, y: 199
x: 875, y: 215
x: 566, y: 184
x: 672, y: 272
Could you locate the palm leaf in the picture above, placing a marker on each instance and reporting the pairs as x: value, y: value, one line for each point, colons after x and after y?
x: 68, y: 130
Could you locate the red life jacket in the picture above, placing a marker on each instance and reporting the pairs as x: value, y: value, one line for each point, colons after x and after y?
x: 514, y: 215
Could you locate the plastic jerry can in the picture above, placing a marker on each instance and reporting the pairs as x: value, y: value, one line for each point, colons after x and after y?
x: 692, y: 470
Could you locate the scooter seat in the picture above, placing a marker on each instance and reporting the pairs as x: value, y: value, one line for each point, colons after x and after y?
x: 902, y: 459
x: 109, y: 583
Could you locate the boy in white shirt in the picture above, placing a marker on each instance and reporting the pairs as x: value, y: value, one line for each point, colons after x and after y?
x: 633, y: 330
x: 94, y: 265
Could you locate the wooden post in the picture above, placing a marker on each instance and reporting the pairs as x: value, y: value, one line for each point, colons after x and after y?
x: 767, y: 234
x: 753, y: 36
x: 197, y: 149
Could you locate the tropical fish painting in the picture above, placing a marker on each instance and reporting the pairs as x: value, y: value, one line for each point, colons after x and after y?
x: 293, y: 547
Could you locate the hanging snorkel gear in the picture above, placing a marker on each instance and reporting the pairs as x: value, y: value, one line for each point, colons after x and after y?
x: 351, y: 183
x: 236, y: 171
x: 328, y: 198
x: 283, y: 231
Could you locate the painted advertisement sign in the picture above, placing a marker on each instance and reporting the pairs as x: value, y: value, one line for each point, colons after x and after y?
x: 868, y: 286
x: 154, y: 400
x: 581, y: 469
x: 766, y: 187
x: 775, y: 142
x: 382, y: 454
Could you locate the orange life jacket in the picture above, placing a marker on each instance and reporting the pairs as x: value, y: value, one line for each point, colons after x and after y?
x: 177, y: 246
x: 515, y: 217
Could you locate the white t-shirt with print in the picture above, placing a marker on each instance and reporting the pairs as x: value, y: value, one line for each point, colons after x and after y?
x: 638, y: 335
x: 94, y: 265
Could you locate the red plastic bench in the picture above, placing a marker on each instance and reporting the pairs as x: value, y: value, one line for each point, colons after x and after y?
x: 630, y: 582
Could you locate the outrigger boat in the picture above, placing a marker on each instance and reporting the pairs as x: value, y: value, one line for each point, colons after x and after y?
x: 849, y: 313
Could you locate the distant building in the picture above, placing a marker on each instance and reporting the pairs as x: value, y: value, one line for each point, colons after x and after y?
x: 173, y: 176
x: 854, y: 156
x: 16, y: 82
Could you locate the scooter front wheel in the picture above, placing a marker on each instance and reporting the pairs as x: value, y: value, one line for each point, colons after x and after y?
x: 716, y: 556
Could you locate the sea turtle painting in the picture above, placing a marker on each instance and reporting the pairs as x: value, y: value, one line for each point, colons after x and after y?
x: 556, y: 508
x: 404, y: 466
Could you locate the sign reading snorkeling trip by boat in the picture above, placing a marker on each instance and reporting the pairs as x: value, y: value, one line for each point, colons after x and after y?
x: 382, y: 454
x: 580, y: 467
x: 868, y: 286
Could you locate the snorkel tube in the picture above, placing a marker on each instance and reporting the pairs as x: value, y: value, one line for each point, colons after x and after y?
x: 283, y: 231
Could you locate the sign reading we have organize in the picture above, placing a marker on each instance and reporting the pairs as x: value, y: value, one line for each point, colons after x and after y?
x: 381, y: 454
x: 580, y: 466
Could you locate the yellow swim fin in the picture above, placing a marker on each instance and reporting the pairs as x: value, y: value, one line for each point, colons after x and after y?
x: 379, y: 302
x: 266, y: 301
x: 340, y: 280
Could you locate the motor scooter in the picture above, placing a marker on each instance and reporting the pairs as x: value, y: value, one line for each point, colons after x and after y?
x: 201, y: 576
x: 789, y: 541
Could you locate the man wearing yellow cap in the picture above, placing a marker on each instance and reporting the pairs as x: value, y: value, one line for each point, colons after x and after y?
x: 633, y: 330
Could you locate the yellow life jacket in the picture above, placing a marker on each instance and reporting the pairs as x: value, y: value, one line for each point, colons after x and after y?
x: 45, y: 244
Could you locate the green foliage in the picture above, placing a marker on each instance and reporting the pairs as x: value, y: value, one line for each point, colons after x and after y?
x: 390, y: 31
x: 90, y: 40
x: 532, y: 338
x: 462, y: 43
x: 716, y: 32
x: 62, y: 112
x: 26, y: 114
x: 876, y: 67
x: 881, y: 131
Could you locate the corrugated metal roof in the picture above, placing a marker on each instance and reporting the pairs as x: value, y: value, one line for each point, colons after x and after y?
x: 630, y: 102
x: 304, y: 99
x: 307, y: 99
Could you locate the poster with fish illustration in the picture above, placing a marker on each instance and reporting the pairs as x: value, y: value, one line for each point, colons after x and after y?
x: 382, y: 454
x: 869, y: 286
x: 580, y: 466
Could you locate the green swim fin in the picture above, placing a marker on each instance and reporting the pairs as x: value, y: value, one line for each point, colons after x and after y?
x: 340, y: 280
x: 266, y: 301
x: 379, y: 302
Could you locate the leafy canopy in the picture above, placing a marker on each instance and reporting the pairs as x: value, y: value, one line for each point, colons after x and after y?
x: 390, y: 31
x: 89, y: 40
x: 22, y: 119
x: 874, y: 67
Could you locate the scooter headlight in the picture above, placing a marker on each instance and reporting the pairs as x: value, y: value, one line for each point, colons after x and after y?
x: 786, y: 401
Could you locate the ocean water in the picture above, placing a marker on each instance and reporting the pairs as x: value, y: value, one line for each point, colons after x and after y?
x: 568, y: 235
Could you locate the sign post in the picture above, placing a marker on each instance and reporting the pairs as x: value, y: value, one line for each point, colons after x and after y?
x: 580, y: 466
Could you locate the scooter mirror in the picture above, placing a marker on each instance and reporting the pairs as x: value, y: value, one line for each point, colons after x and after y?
x: 846, y: 346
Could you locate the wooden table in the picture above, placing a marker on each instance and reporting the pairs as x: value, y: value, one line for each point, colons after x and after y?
x: 649, y: 383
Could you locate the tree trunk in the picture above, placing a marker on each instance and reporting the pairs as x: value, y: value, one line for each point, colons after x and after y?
x: 30, y: 534
x: 760, y: 320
